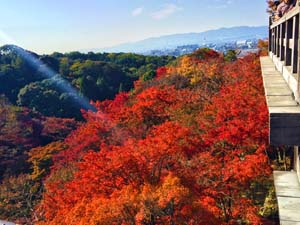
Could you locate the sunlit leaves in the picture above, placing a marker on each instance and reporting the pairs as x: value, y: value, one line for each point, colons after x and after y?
x: 167, y: 153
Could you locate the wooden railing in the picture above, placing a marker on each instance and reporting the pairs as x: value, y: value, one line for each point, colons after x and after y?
x: 284, y: 47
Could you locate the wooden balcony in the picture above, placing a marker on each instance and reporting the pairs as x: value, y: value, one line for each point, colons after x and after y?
x: 280, y: 73
x: 284, y: 48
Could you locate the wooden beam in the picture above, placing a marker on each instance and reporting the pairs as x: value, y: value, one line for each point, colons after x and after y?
x: 284, y: 111
x: 287, y: 16
x: 285, y: 127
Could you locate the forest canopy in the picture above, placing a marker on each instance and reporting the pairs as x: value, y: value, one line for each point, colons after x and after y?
x: 175, y: 141
x: 96, y: 76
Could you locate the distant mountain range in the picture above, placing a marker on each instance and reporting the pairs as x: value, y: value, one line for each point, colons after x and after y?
x: 217, y: 36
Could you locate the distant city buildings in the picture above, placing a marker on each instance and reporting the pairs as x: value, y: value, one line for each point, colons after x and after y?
x: 244, y: 46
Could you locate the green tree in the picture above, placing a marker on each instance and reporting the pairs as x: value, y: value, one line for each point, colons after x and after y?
x: 99, y: 80
x: 39, y: 98
x: 230, y: 56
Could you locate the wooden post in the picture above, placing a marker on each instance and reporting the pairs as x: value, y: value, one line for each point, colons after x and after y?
x: 288, y: 35
x: 270, y: 34
x: 298, y: 63
x: 296, y: 161
x: 294, y: 60
x: 277, y: 40
x: 281, y: 44
x: 273, y: 41
x: 274, y: 36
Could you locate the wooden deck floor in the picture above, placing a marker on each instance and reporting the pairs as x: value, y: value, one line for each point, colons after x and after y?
x: 288, y: 196
x: 284, y: 111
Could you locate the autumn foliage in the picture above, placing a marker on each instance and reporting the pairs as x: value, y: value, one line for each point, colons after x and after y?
x: 24, y: 133
x: 183, y: 148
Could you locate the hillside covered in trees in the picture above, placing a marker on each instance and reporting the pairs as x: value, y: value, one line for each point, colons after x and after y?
x: 40, y: 82
x: 40, y: 98
x: 187, y: 145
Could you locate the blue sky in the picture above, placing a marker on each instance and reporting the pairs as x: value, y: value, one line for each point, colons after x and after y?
x: 45, y: 26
